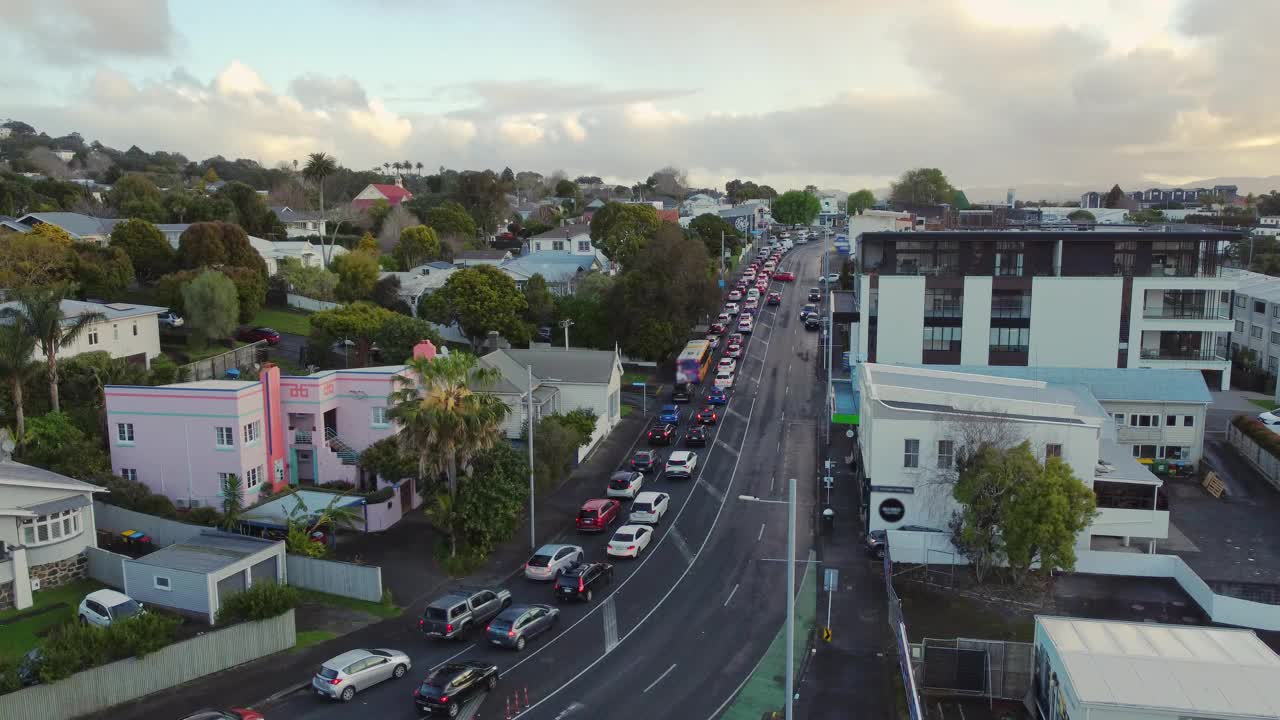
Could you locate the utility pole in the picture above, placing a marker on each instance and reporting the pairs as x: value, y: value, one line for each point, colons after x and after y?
x: 791, y: 598
x: 566, y: 324
x: 533, y: 533
x: 721, y: 258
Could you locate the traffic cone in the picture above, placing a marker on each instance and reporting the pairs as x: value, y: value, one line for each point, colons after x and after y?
x: 526, y: 697
x: 508, y: 708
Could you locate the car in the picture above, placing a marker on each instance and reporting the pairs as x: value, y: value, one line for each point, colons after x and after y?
x: 808, y: 310
x: 769, y: 267
x: 681, y: 463
x: 551, y: 560
x: 644, y: 460
x: 724, y: 318
x: 724, y: 379
x: 103, y: 607
x: 829, y: 278
x: 737, y: 339
x: 815, y: 295
x: 876, y: 539
x: 1270, y: 417
x: 682, y: 392
x: 582, y: 580
x: 734, y: 296
x: 774, y: 299
x: 728, y: 363
x: 341, y: 677
x: 751, y: 305
x: 629, y: 541
x: 661, y: 434
x: 731, y: 309
x: 784, y: 276
x: 544, y: 334
x: 624, y: 484
x: 713, y: 341
x: 717, y: 328
x: 707, y: 416
x: 734, y: 350
x: 228, y: 714
x: 449, y: 686
x: 812, y: 322
x: 255, y: 334
x: 746, y: 325
x: 649, y: 507
x: 451, y: 614
x: 695, y: 437
x: 596, y: 515
x: 669, y: 414
x: 717, y: 396
x: 170, y: 319
x: 515, y: 626
x: 753, y: 294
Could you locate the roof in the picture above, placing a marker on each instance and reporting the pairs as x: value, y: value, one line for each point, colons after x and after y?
x: 275, y: 512
x: 740, y: 211
x: 573, y: 366
x: 76, y: 224
x: 550, y: 264
x: 393, y: 193
x: 1095, y: 233
x: 207, y: 552
x: 1216, y: 671
x: 288, y: 215
x: 1116, y: 384
x: 481, y: 255
x: 71, y: 309
x: 16, y: 473
x: 1255, y: 285
x: 942, y: 391
x: 228, y: 385
x: 564, y: 232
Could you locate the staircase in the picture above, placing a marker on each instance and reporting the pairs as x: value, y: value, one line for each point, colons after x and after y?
x: 346, y: 453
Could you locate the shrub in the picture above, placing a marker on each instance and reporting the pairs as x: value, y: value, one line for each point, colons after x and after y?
x: 74, y: 647
x: 467, y: 561
x: 337, y: 485
x: 380, y: 495
x: 8, y: 676
x: 205, y: 516
x: 261, y: 601
x: 1259, y: 433
x: 141, y: 635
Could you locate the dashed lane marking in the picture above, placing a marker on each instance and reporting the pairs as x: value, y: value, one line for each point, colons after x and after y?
x: 655, y: 682
x: 728, y: 448
x: 731, y: 592
x: 715, y: 492
x: 761, y: 533
x: 610, y: 613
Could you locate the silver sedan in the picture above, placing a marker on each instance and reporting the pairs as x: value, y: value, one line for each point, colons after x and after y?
x: 550, y: 560
x: 342, y: 677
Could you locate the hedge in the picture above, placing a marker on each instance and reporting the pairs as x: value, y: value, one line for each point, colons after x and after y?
x: 1259, y: 433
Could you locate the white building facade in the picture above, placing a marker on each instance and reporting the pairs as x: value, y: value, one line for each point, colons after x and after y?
x: 128, y: 331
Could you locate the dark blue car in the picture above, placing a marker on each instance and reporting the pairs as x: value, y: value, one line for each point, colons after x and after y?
x: 670, y: 414
x: 717, y: 396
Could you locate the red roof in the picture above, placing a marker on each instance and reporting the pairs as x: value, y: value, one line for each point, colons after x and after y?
x: 394, y: 195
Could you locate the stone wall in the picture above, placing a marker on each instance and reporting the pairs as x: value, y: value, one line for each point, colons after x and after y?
x: 6, y: 595
x: 54, y: 574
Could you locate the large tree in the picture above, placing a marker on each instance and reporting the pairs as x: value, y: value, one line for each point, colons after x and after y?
x: 101, y: 272
x: 38, y: 258
x: 251, y: 211
x: 147, y: 247
x: 212, y: 306
x: 135, y: 196
x: 860, y: 201
x: 621, y: 230
x: 218, y: 243
x: 482, y: 195
x: 445, y: 423
x: 669, y: 272
x: 449, y: 219
x: 540, y: 304
x: 357, y: 274
x: 1046, y: 513
x: 1115, y: 198
x: 17, y: 349
x: 921, y: 186
x: 710, y: 228
x: 417, y: 245
x: 796, y: 207
x: 37, y: 311
x: 359, y: 322
x: 480, y: 299
x: 318, y: 169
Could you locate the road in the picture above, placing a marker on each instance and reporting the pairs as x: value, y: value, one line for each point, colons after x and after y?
x: 681, y: 627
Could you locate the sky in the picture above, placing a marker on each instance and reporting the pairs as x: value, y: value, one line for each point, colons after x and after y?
x: 841, y: 94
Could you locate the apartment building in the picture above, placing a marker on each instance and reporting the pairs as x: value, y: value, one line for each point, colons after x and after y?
x: 1255, y: 317
x: 915, y: 421
x: 1093, y: 298
x: 1158, y: 196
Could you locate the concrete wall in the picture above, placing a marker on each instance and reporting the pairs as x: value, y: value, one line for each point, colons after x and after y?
x: 105, y: 567
x: 1059, y: 338
x: 901, y: 340
x: 188, y: 591
x: 163, y: 532
x: 975, y: 328
x: 1255, y: 455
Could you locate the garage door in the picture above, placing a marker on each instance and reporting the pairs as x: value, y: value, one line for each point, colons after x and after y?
x: 265, y: 571
x: 229, y: 586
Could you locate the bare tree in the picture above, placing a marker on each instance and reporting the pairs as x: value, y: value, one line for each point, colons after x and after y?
x: 335, y: 217
x: 398, y: 220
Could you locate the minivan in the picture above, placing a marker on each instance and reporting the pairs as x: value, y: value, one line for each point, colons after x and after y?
x: 596, y: 515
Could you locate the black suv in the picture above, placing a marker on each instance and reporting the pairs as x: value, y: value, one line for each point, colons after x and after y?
x: 812, y: 322
x: 815, y: 294
x: 448, y: 688
x: 695, y: 437
x: 645, y: 461
x: 682, y: 393
x: 661, y: 434
x: 578, y: 581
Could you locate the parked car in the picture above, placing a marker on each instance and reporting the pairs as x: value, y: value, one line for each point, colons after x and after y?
x: 695, y: 436
x: 717, y: 396
x: 669, y: 414
x: 170, y: 319
x: 649, y: 507
x: 103, y: 607
x: 340, y: 678
x: 449, y: 615
x: 598, y: 514
x: 707, y: 416
x: 515, y: 626
x: 629, y: 541
x: 645, y: 461
x: 550, y: 560
x: 228, y: 714
x: 544, y: 334
x: 682, y: 463
x: 1270, y: 417
x: 661, y: 434
x: 624, y: 484
x: 581, y: 581
x: 682, y: 393
x: 254, y: 334
x: 449, y: 687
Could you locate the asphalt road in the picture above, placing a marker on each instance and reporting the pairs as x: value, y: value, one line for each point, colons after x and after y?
x: 681, y: 627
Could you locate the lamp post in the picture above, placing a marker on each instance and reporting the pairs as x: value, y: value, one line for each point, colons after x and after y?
x: 791, y: 586
x: 565, y: 324
x: 533, y: 533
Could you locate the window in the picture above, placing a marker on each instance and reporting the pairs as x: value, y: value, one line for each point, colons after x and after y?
x: 1241, y: 301
x: 115, y: 332
x: 1052, y: 450
x: 1144, y: 420
x: 135, y: 329
x: 1119, y: 417
x: 584, y: 246
x: 253, y: 477
x: 1144, y: 451
x: 160, y: 582
x: 130, y: 474
x: 224, y: 479
x: 93, y: 336
x: 226, y: 437
x: 557, y: 245
x: 1275, y: 336
x: 911, y: 454
x: 942, y: 338
x: 1170, y: 420
x: 1010, y: 339
x: 1224, y: 296
x: 1273, y: 363
x: 1010, y: 303
x: 252, y: 432
x: 50, y: 528
x: 946, y: 454
x: 1239, y: 326
x: 380, y: 416
x: 1188, y: 420
x: 1260, y: 307
x: 943, y: 303
x: 124, y: 432
x: 1255, y: 331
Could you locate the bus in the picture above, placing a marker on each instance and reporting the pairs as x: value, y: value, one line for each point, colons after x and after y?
x: 694, y: 362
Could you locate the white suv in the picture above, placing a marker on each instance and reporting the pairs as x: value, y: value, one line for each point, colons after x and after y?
x: 681, y: 463
x: 103, y: 607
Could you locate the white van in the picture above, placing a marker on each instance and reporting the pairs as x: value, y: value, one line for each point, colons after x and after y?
x: 787, y: 245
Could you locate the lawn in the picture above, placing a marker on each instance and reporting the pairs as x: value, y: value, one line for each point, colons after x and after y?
x: 307, y: 638
x: 21, y: 630
x: 634, y: 377
x: 1264, y: 403
x: 385, y: 609
x: 627, y: 410
x: 285, y: 321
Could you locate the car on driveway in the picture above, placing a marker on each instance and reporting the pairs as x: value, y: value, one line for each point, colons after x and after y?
x: 519, y: 624
x: 624, y: 484
x: 707, y: 416
x: 629, y: 541
x: 596, y: 515
x: 661, y: 434
x: 682, y: 463
x: 695, y: 437
x: 550, y: 560
x: 451, y: 614
x: 669, y: 414
x: 170, y: 319
x: 254, y: 334
x: 581, y: 581
x: 452, y: 685
x: 717, y: 396
x: 341, y: 677
x: 645, y: 461
x: 649, y: 507
x: 103, y: 607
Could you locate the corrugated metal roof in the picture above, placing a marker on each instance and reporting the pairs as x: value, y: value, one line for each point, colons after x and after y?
x: 1117, y: 384
x: 573, y: 366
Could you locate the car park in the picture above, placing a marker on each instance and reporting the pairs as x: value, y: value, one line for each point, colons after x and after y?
x: 669, y: 414
x: 661, y: 434
x: 649, y: 507
x: 103, y: 607
x: 598, y: 514
x: 681, y: 463
x: 717, y: 396
x: 341, y: 677
x: 644, y: 460
x: 629, y: 541
x: 695, y: 436
x: 624, y: 484
x: 707, y: 416
x: 451, y: 614
x: 581, y: 581
x: 518, y: 624
x: 452, y: 685
x: 551, y: 560
x: 724, y: 379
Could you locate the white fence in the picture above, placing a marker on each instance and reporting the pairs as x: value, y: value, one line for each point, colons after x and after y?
x: 163, y: 532
x: 302, y: 302
x: 106, y: 567
x: 362, y: 582
x: 92, y: 691
x: 1262, y: 460
x: 924, y: 548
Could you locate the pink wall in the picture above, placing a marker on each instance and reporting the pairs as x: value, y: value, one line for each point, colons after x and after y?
x: 273, y: 429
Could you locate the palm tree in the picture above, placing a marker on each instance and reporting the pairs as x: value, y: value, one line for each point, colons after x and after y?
x: 396, y: 166
x: 386, y: 168
x: 407, y: 165
x: 37, y: 312
x: 320, y: 166
x: 444, y: 422
x: 419, y: 169
x: 16, y: 349
x: 232, y: 502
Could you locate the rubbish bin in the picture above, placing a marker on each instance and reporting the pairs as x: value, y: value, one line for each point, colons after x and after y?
x: 1160, y: 467
x: 828, y: 521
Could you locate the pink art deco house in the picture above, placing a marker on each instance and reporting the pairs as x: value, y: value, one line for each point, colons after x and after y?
x: 183, y: 440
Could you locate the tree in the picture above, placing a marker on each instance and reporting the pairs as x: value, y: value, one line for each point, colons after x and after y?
x: 37, y: 311
x: 37, y: 258
x: 590, y: 311
x: 357, y: 274
x: 399, y: 334
x: 251, y: 290
x: 101, y: 272
x: 147, y: 248
x: 482, y: 195
x: 1082, y: 217
x: 621, y: 230
x: 493, y: 499
x: 1115, y: 198
x: 708, y: 227
x: 480, y: 299
x: 1046, y: 513
x: 135, y: 196
x: 1268, y: 204
x: 1150, y: 215
x: 555, y: 451
x: 921, y: 186
x: 17, y: 349
x: 368, y: 243
x: 445, y: 423
x: 860, y: 201
x: 309, y: 280
x: 55, y: 443
x: 669, y: 272
x: 449, y: 219
x: 386, y: 293
x: 540, y: 304
x: 214, y: 244
x: 359, y: 322
x: 566, y: 188
x: 212, y: 306
x: 318, y: 168
x: 251, y: 211
x: 796, y: 207
x: 232, y: 501
x: 417, y: 245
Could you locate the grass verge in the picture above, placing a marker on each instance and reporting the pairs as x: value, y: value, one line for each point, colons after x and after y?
x: 21, y: 630
x: 307, y: 638
x: 626, y: 410
x: 285, y: 321
x: 934, y: 612
x: 384, y: 609
x: 1264, y: 403
x: 634, y: 377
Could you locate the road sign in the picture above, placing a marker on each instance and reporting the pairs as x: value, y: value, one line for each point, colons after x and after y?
x: 826, y: 634
x: 720, y: 283
x: 830, y: 579
x: 637, y: 384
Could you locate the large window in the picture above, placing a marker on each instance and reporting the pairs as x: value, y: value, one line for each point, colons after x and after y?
x: 1009, y: 258
x: 911, y: 454
x: 50, y: 528
x: 253, y: 477
x: 1260, y: 307
x: 1010, y: 339
x: 130, y: 474
x: 226, y: 436
x: 93, y: 336
x: 1239, y: 326
x: 942, y: 338
x: 1255, y: 331
x: 124, y: 432
x: 946, y: 454
x: 252, y: 432
x: 379, y: 417
x: 943, y: 302
x: 1010, y: 303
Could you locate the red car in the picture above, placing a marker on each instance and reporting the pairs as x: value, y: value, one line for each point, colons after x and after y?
x: 231, y: 714
x: 774, y: 299
x: 248, y: 334
x: 784, y: 276
x: 597, y: 515
x: 706, y: 416
x: 717, y: 328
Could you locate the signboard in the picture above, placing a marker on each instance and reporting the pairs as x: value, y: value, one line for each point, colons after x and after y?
x: 892, y: 510
x: 899, y: 489
x: 830, y: 579
x: 826, y: 634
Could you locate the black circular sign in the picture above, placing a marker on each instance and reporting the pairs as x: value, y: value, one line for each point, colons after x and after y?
x: 892, y: 510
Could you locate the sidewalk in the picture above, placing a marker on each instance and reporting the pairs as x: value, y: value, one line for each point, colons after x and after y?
x: 284, y: 672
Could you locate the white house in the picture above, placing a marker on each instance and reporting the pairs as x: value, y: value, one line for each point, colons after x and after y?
x: 65, y: 156
x: 570, y: 239
x: 1268, y: 225
x: 129, y: 331
x: 310, y: 255
x: 699, y: 204
x: 421, y: 280
x: 300, y: 223
x: 46, y: 522
x: 561, y: 270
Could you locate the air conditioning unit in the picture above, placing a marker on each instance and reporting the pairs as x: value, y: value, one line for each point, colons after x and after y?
x: 35, y: 584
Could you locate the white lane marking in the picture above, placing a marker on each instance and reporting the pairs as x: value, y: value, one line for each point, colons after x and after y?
x: 761, y: 533
x: 728, y: 448
x: 784, y: 559
x: 655, y: 682
x: 734, y: 413
x: 573, y: 708
x: 610, y: 614
x: 678, y: 540
x: 716, y: 492
x: 710, y: 531
x: 773, y: 479
x: 451, y: 657
x: 731, y: 592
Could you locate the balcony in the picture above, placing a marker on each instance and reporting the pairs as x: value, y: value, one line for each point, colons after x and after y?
x: 302, y: 437
x: 1183, y: 313
x: 1185, y: 355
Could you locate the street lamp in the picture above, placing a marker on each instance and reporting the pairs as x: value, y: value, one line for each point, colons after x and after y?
x: 533, y: 533
x: 791, y: 586
x: 565, y: 324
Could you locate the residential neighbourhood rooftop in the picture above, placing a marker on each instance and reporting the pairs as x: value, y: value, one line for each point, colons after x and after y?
x: 72, y: 309
x: 564, y: 232
x: 575, y: 365
x: 208, y: 551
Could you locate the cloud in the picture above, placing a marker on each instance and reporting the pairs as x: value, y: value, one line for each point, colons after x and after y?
x: 67, y: 32
x: 315, y: 90
x: 538, y: 95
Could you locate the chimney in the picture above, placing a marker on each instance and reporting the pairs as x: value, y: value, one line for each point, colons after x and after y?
x: 492, y: 341
x: 424, y: 349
